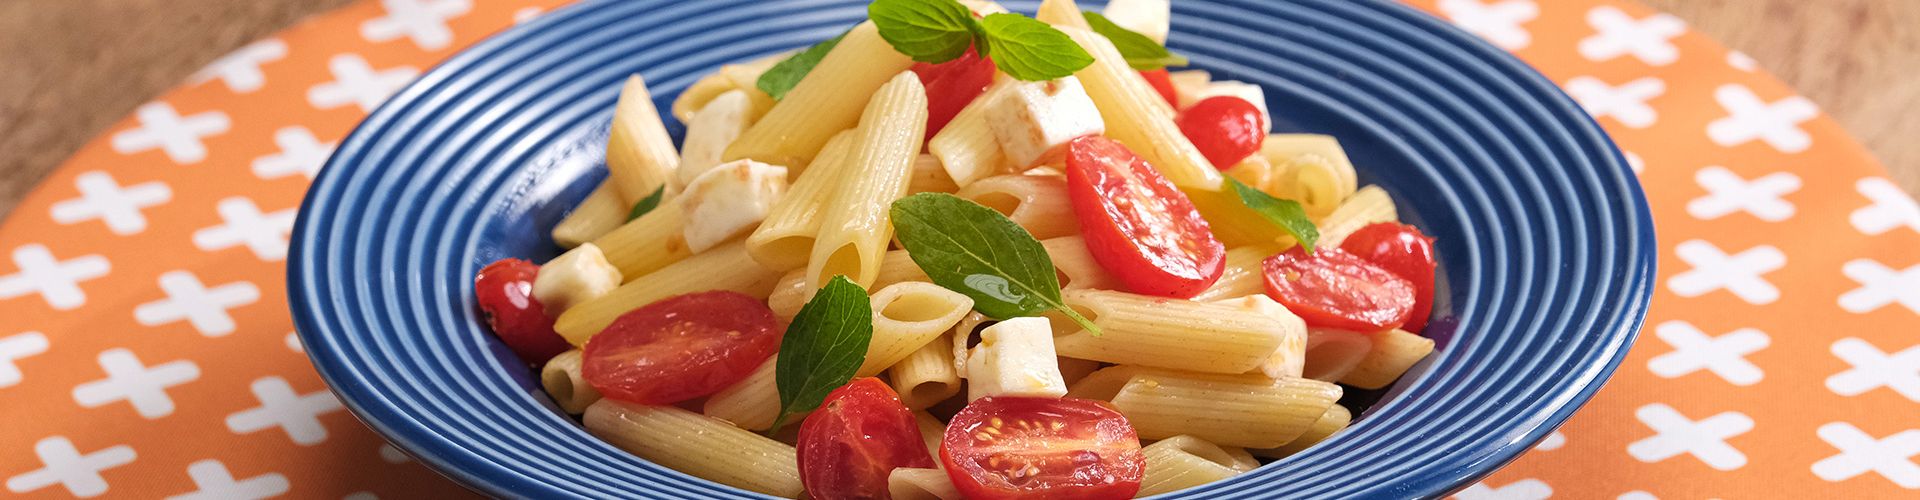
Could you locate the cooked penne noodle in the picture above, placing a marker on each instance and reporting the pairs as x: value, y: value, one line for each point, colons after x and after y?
x: 1244, y: 275
x: 1061, y: 13
x: 828, y: 100
x: 1138, y: 117
x: 743, y: 76
x: 967, y: 148
x: 856, y: 226
x: 783, y: 240
x: 1072, y: 370
x: 929, y: 177
x: 1316, y: 171
x: 1332, y: 422
x: 601, y: 212
x: 1290, y: 358
x: 695, y: 444
x: 932, y: 431
x: 1367, y: 206
x: 640, y: 154
x: 927, y: 376
x: 1259, y: 173
x: 921, y: 484
x: 752, y: 403
x: 725, y: 267
x: 710, y: 131
x: 1332, y: 354
x: 1077, y: 268
x: 1037, y: 203
x: 1393, y: 352
x: 1232, y: 222
x: 789, y: 295
x: 1103, y: 384
x: 906, y: 317
x: 1184, y: 461
x: 1158, y: 332
x: 646, y: 244
x: 964, y: 333
x: 562, y: 380
x: 1250, y: 411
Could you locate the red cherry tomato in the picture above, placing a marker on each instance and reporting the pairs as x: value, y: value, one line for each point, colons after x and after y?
x: 951, y: 85
x: 681, y: 348
x: 1162, y: 82
x: 1334, y: 289
x: 1403, y: 251
x: 859, y: 435
x: 505, y: 292
x: 1137, y: 225
x: 1227, y: 129
x: 1042, y: 448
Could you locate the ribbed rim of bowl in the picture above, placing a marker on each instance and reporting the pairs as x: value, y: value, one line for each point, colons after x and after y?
x: 1548, y: 294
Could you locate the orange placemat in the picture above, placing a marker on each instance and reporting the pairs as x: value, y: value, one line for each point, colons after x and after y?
x: 146, y: 350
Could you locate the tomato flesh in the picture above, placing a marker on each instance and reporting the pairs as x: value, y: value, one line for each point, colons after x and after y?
x: 951, y: 86
x: 1137, y: 225
x: 1402, y: 250
x: 504, y: 290
x: 1042, y: 448
x: 1226, y: 129
x: 857, y: 437
x: 1162, y: 82
x: 681, y: 348
x: 1334, y: 289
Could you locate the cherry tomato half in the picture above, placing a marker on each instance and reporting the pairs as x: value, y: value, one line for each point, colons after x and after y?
x: 505, y: 292
x: 1403, y: 251
x: 1042, y: 448
x: 859, y: 435
x: 1334, y: 289
x: 1137, y: 225
x: 1162, y: 82
x: 1227, y: 129
x: 951, y: 86
x: 681, y: 348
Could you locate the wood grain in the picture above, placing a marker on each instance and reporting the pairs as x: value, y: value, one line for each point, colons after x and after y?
x: 70, y: 68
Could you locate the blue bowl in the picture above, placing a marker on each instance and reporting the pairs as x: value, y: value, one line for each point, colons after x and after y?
x: 1546, y: 246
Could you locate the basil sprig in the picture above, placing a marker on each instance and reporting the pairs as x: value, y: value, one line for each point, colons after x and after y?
x: 1142, y: 53
x: 936, y: 31
x: 969, y: 248
x: 1287, y: 214
x: 823, y: 347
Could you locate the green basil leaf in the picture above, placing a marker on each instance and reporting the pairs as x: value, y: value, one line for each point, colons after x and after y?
x: 1030, y: 50
x: 823, y: 347
x: 1287, y: 214
x: 788, y: 72
x: 969, y: 248
x: 1142, y: 53
x: 931, y: 31
x: 647, y: 204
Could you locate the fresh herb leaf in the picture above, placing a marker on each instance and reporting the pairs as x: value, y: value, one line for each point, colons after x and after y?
x: 1142, y: 53
x: 647, y: 204
x: 823, y: 347
x: 783, y: 76
x: 972, y: 249
x: 1031, y: 50
x: 1287, y: 214
x: 930, y: 31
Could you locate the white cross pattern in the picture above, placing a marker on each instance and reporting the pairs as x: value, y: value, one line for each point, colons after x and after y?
x: 66, y: 466
x: 1724, y: 355
x: 1728, y: 193
x: 1626, y: 103
x: 354, y: 82
x: 1892, y: 457
x: 213, y: 482
x: 1891, y: 208
x: 188, y: 299
x: 1634, y: 162
x: 1552, y: 442
x: 297, y: 415
x: 1874, y: 369
x: 1739, y: 274
x: 1498, y: 21
x: 17, y: 347
x: 57, y: 281
x: 361, y: 495
x: 1620, y: 34
x: 1636, y: 495
x: 118, y: 207
x: 1524, y: 489
x: 293, y: 343
x: 1676, y: 435
x: 1741, y: 61
x: 1749, y: 119
x: 240, y: 69
x: 300, y: 153
x: 423, y: 21
x: 1880, y: 285
x: 129, y: 380
x: 393, y: 455
x: 264, y: 234
x: 527, y: 14
x: 162, y: 127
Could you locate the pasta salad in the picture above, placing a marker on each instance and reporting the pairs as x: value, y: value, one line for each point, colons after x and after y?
x: 958, y: 252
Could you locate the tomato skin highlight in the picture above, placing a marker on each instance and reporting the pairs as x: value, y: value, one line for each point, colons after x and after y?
x: 1137, y: 225
x: 854, y: 441
x: 1334, y: 289
x: 1403, y: 250
x: 681, y: 348
x: 1042, y: 448
x: 951, y: 86
x: 1162, y: 82
x: 504, y: 290
x: 1226, y: 129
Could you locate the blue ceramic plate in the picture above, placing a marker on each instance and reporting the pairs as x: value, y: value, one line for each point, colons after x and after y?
x: 1545, y: 241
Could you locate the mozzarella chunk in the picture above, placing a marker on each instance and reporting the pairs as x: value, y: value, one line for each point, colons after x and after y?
x: 580, y: 275
x: 1250, y: 92
x: 1146, y: 17
x: 1035, y: 119
x: 1290, y: 359
x: 729, y: 200
x: 1015, y: 358
x: 711, y: 130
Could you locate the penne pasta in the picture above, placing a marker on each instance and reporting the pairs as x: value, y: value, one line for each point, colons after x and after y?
x: 640, y: 155
x: 1367, y: 206
x: 929, y: 177
x: 932, y: 431
x: 1165, y: 333
x: 967, y: 149
x: 562, y: 380
x: 1290, y: 358
x: 1138, y: 117
x: 646, y: 244
x: 1336, y: 419
x: 1250, y: 411
x: 1072, y: 370
x: 906, y: 317
x: 827, y: 101
x: 752, y: 403
x: 1332, y: 354
x: 726, y: 267
x: 965, y: 333
x: 784, y: 239
x: 1039, y: 204
x: 1184, y: 461
x: 1077, y: 268
x: 743, y: 77
x: 856, y: 224
x: 1393, y: 352
x: 921, y: 484
x: 791, y: 291
x: 601, y: 212
x: 695, y: 444
x: 710, y: 131
x: 1316, y: 170
x: 1243, y: 276
x: 926, y: 377
x: 1061, y: 13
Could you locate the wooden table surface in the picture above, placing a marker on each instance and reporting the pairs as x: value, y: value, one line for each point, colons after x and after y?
x: 70, y: 68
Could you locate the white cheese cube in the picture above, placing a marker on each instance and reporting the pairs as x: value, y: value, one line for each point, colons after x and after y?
x: 1035, y: 119
x: 711, y: 130
x: 729, y: 200
x: 1290, y: 359
x: 1146, y: 17
x: 580, y: 275
x: 1015, y: 358
x: 1250, y: 92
